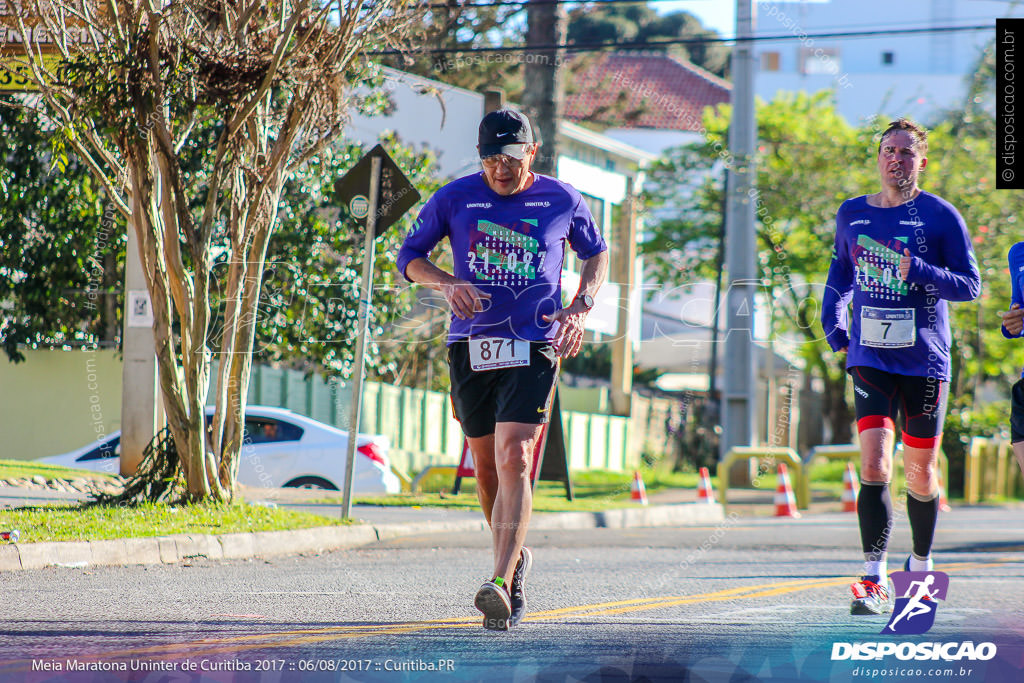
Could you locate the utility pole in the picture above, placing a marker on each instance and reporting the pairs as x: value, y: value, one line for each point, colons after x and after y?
x: 494, y: 99
x: 138, y: 374
x: 544, y: 96
x: 738, y: 418
x: 623, y: 266
x: 359, y: 362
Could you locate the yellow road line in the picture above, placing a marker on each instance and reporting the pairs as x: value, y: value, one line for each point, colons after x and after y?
x: 257, y: 641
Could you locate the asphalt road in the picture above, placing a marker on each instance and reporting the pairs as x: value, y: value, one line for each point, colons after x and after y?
x: 751, y: 599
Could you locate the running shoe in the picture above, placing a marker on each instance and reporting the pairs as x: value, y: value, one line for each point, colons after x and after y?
x: 493, y: 601
x: 906, y: 566
x: 517, y: 591
x: 869, y: 597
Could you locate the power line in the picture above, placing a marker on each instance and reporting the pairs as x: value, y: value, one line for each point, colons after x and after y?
x: 595, y: 47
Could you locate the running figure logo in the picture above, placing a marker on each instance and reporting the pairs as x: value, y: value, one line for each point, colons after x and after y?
x: 917, y: 595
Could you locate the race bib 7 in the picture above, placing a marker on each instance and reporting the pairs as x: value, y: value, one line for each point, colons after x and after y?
x: 887, y: 328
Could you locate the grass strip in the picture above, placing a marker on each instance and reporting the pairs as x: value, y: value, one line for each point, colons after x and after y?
x: 75, y: 523
x: 594, y: 491
x: 26, y: 469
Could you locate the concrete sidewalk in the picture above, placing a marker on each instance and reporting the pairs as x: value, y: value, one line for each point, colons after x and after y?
x: 376, y: 524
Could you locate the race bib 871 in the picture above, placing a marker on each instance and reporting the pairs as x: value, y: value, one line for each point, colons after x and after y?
x: 492, y: 353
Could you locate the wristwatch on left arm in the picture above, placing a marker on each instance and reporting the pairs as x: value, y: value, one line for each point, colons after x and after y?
x: 586, y: 300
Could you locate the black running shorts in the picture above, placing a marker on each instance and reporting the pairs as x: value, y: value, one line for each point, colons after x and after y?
x: 519, y: 394
x: 1017, y: 412
x: 880, y: 395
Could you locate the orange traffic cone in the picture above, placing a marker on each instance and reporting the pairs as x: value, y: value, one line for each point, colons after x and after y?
x: 785, y: 501
x: 639, y: 493
x: 850, y: 488
x: 705, y: 494
x: 943, y: 502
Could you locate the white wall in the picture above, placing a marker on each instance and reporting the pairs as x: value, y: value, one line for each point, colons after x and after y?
x: 928, y: 70
x: 651, y: 140
x: 944, y: 53
x: 57, y: 401
x: 860, y: 96
x: 428, y: 114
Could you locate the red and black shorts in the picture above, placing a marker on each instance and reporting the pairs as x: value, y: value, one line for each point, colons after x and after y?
x: 879, y: 396
x: 481, y: 399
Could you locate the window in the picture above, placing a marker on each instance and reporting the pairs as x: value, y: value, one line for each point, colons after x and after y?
x: 769, y: 61
x: 819, y: 61
x: 107, y: 449
x: 266, y: 430
x: 888, y: 57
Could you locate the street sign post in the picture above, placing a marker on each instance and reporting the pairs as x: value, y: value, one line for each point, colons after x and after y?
x: 397, y: 194
x: 376, y: 193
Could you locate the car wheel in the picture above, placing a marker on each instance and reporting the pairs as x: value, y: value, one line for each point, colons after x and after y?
x: 311, y: 483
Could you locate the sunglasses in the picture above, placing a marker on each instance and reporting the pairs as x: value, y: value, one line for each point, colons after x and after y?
x: 492, y: 161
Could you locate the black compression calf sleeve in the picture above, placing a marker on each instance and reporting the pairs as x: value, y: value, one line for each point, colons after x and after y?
x: 923, y: 515
x: 874, y: 511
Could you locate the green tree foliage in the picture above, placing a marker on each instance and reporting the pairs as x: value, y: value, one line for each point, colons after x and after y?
x: 459, y: 30
x: 640, y: 23
x: 62, y: 276
x: 274, y: 82
x: 61, y: 256
x: 307, y: 317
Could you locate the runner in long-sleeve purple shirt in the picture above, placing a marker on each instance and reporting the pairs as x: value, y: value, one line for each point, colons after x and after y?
x: 899, y: 256
x: 508, y: 228
x: 1013, y: 328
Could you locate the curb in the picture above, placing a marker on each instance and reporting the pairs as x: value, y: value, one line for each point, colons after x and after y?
x: 260, y: 544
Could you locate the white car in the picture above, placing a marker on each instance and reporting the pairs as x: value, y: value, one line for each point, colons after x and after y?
x: 280, y: 449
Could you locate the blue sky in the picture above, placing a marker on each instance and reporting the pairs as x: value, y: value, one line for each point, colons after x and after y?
x: 716, y: 14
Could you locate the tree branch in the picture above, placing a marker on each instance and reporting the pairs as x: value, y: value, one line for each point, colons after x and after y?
x: 239, y: 119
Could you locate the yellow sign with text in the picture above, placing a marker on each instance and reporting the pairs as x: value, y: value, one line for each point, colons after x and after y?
x: 16, y: 74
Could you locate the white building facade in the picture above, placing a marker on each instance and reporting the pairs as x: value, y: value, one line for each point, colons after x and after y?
x: 915, y: 74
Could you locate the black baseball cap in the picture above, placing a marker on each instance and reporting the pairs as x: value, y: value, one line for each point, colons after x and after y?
x: 505, y: 131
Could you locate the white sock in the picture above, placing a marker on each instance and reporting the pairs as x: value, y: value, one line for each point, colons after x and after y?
x: 919, y: 565
x: 876, y: 568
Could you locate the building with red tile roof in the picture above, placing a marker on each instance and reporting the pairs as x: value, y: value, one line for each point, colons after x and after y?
x: 643, y: 92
